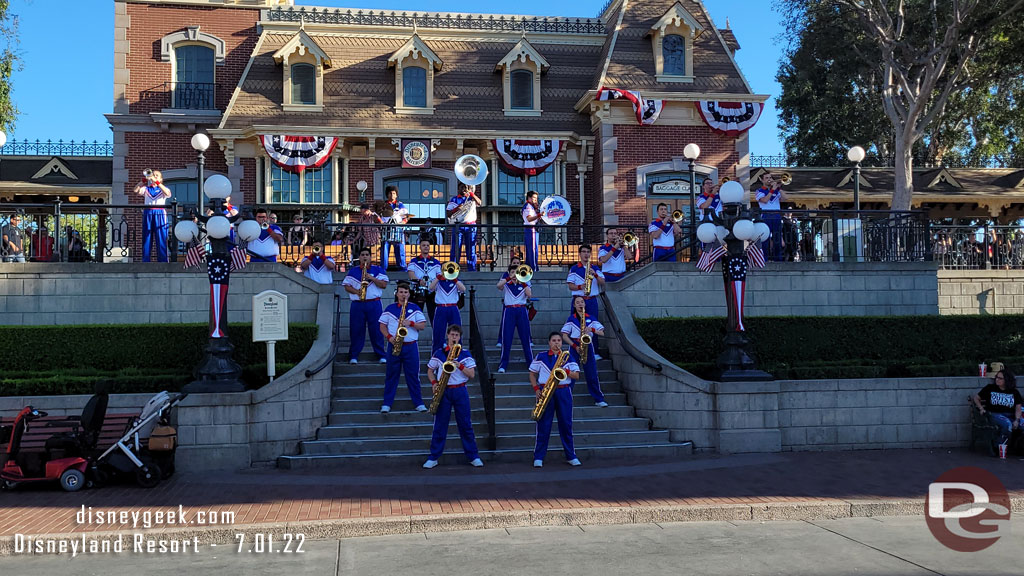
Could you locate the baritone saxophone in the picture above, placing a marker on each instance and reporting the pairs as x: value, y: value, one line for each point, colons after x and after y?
x: 558, y: 374
x: 447, y: 369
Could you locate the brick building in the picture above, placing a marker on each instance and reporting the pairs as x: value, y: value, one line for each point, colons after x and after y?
x: 374, y: 83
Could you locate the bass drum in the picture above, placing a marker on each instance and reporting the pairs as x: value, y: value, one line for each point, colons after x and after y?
x: 556, y: 211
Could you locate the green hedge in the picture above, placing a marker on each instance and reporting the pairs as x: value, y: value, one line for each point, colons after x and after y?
x: 847, y: 347
x: 46, y: 360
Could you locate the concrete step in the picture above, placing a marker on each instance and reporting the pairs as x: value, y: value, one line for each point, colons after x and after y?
x: 580, y: 397
x: 514, y: 375
x: 344, y: 446
x: 368, y: 358
x: 424, y: 429
x: 402, y: 414
x: 347, y: 391
x: 667, y: 451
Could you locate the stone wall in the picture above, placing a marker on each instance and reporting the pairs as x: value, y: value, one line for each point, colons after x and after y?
x: 981, y: 291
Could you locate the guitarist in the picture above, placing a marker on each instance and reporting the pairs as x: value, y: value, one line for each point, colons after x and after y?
x: 455, y: 397
x: 561, y: 403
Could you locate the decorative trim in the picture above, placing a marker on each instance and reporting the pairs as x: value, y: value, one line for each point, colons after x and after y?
x: 522, y: 51
x: 677, y: 164
x: 302, y: 43
x: 523, y: 113
x: 413, y: 111
x: 302, y: 107
x: 440, y: 21
x: 191, y: 34
x: 677, y: 16
x: 415, y: 47
x: 673, y: 78
x: 55, y: 165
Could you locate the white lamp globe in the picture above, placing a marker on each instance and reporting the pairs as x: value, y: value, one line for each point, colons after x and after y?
x: 218, y: 227
x: 249, y: 230
x: 762, y: 232
x: 200, y: 142
x: 856, y: 154
x: 743, y: 230
x: 721, y: 232
x: 706, y: 232
x: 186, y: 231
x: 3, y: 138
x: 691, y: 151
x: 731, y: 192
x: 217, y: 187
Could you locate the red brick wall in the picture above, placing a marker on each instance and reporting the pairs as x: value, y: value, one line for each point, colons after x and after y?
x: 148, y: 24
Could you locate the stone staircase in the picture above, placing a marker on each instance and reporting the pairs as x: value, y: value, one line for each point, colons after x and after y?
x: 358, y: 434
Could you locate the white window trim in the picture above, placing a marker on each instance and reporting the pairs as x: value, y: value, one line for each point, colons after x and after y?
x: 191, y: 35
x: 523, y: 56
x: 414, y: 52
x: 268, y: 188
x: 301, y: 49
x: 676, y: 21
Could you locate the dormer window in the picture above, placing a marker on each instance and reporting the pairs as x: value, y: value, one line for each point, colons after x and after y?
x: 415, y: 64
x: 521, y: 70
x: 303, y: 62
x: 672, y: 40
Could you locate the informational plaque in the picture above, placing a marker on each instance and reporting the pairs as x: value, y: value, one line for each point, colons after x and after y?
x: 269, y: 317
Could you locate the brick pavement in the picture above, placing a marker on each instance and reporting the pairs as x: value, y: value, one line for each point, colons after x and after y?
x: 402, y: 499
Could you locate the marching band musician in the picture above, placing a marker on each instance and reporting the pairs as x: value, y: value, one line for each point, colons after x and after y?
x: 409, y: 358
x: 464, y: 220
x: 577, y: 279
x: 708, y: 200
x: 770, y: 196
x: 572, y: 333
x: 422, y: 269
x: 394, y: 235
x: 515, y: 316
x: 613, y: 255
x: 446, y: 301
x: 531, y: 238
x: 317, y: 266
x: 154, y: 218
x: 267, y: 246
x: 513, y: 262
x: 362, y: 312
x: 456, y: 397
x: 663, y: 232
x: 561, y: 403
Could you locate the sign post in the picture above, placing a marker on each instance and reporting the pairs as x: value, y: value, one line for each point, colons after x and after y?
x: 270, y: 323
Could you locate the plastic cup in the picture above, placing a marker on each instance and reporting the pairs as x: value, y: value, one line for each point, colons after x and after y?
x: 1002, y: 451
x: 982, y: 370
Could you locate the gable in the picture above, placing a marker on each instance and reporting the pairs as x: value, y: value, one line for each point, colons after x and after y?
x: 54, y: 170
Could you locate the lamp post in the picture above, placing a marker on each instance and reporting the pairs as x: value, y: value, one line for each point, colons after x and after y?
x: 691, y: 152
x: 217, y: 371
x: 361, y: 186
x: 737, y: 231
x: 200, y: 142
x: 856, y: 155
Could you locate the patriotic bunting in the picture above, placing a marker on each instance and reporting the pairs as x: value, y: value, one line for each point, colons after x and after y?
x: 237, y: 258
x: 647, y: 110
x: 194, y: 256
x: 296, y: 153
x: 730, y: 118
x: 755, y: 256
x: 708, y: 258
x: 529, y: 157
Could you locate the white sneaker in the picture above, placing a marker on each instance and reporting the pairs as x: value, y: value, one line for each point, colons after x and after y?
x: 575, y: 462
x: 353, y: 361
x: 477, y: 463
x: 385, y: 409
x: 538, y: 463
x: 501, y: 370
x: 421, y: 408
x: 383, y: 360
x: 602, y: 404
x: 430, y: 464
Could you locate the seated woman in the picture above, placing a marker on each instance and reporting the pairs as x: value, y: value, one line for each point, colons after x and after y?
x: 1002, y: 402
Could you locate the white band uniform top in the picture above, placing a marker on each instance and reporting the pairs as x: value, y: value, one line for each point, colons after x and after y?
x: 543, y: 372
x: 412, y: 313
x: 577, y: 278
x: 354, y: 279
x: 617, y: 263
x: 458, y: 377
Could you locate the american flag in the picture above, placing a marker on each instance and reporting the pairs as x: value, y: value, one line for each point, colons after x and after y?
x: 708, y: 258
x: 195, y: 256
x: 755, y: 256
x: 237, y: 258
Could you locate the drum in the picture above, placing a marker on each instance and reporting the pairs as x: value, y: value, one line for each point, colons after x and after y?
x: 556, y: 211
x: 419, y: 295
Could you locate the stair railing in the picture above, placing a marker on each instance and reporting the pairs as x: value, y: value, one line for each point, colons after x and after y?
x: 483, y: 371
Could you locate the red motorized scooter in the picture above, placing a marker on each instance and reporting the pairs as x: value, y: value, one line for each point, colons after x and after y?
x: 18, y: 468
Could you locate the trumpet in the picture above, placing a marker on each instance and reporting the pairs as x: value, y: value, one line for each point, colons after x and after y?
x: 264, y: 225
x: 785, y: 178
x: 317, y: 250
x: 524, y: 274
x: 147, y: 173
x: 450, y: 270
x: 630, y: 240
x: 678, y: 216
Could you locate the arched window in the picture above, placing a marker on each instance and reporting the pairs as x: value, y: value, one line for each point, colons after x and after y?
x: 303, y: 84
x: 424, y: 196
x: 674, y: 53
x: 414, y: 86
x: 193, y: 77
x: 522, y: 89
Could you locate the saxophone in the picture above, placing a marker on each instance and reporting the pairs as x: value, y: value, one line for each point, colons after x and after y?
x: 363, y: 282
x: 588, y: 279
x: 447, y: 369
x: 401, y: 333
x: 558, y: 374
x: 585, y: 339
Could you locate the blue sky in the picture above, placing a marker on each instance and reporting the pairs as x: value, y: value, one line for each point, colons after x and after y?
x: 67, y: 47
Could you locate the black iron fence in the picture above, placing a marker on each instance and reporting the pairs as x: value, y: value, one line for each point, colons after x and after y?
x: 923, y: 159
x: 978, y: 247
x: 184, y: 95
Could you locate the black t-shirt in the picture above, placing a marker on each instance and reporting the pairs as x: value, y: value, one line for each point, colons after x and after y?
x: 13, y: 235
x: 999, y: 401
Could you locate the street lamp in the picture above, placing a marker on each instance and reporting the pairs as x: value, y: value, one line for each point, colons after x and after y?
x: 856, y: 155
x: 691, y: 152
x: 737, y: 232
x: 200, y: 142
x: 361, y: 186
x: 217, y: 371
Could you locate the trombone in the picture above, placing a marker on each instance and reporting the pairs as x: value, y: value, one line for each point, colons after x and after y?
x: 450, y: 270
x: 629, y: 240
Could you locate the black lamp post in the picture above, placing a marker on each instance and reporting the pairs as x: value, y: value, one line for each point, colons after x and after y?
x: 200, y: 142
x: 735, y: 228
x: 856, y: 155
x: 692, y: 152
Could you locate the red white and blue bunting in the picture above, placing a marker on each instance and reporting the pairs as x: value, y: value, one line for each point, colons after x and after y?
x: 708, y: 258
x: 730, y: 118
x: 529, y: 157
x: 647, y: 111
x: 296, y: 153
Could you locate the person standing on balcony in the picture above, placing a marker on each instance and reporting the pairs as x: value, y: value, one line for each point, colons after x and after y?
x: 663, y: 231
x: 154, y: 217
x: 13, y: 247
x: 461, y: 213
x: 613, y: 255
x: 577, y: 281
x: 770, y: 196
x: 531, y: 238
x: 367, y: 233
x: 317, y: 266
x: 708, y: 202
x: 394, y: 236
x: 267, y: 246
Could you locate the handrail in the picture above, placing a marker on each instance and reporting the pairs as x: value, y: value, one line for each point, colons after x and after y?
x: 335, y: 341
x: 483, y: 371
x: 626, y: 344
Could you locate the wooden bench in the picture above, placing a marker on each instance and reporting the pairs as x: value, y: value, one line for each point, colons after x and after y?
x: 34, y: 440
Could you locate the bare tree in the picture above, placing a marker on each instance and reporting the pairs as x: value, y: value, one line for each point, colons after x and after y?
x: 930, y: 50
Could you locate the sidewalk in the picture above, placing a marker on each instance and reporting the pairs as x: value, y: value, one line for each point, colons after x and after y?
x: 788, y: 486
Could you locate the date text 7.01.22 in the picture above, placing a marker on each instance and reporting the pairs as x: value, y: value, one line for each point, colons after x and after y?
x: 265, y: 543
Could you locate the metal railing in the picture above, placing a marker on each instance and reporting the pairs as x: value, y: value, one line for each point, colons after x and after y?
x: 445, y: 21
x: 56, y: 148
x: 949, y: 160
x: 978, y: 247
x: 484, y: 376
x: 184, y: 95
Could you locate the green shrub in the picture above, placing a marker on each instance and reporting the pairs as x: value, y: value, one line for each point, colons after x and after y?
x: 847, y: 347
